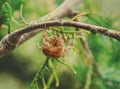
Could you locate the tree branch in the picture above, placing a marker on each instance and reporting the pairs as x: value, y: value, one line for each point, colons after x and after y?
x: 64, y: 10
x: 10, y: 41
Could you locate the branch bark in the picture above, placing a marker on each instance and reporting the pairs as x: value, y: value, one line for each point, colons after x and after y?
x: 10, y: 41
x: 64, y: 10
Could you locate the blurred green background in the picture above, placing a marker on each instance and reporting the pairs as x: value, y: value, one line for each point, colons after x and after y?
x: 17, y: 69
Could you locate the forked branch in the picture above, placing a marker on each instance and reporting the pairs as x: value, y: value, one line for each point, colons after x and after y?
x: 11, y: 41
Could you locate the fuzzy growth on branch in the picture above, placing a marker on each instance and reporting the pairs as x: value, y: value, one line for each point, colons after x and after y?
x: 11, y: 41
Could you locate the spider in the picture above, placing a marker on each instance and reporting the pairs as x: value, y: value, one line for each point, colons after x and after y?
x: 53, y: 46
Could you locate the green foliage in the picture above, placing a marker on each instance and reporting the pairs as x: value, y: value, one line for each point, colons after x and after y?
x: 105, y: 50
x: 8, y: 14
x: 91, y: 5
x: 59, y: 1
x: 99, y: 20
x: 1, y: 2
x: 116, y: 50
x: 34, y: 84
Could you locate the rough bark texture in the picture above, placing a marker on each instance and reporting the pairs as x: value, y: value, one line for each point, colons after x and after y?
x: 16, y: 38
x: 10, y: 41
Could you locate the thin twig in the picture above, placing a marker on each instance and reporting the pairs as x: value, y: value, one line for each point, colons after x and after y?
x: 91, y: 58
x: 89, y: 76
x: 92, y: 28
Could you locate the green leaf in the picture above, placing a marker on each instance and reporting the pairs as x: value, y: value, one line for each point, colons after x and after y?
x: 100, y: 21
x: 8, y: 14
